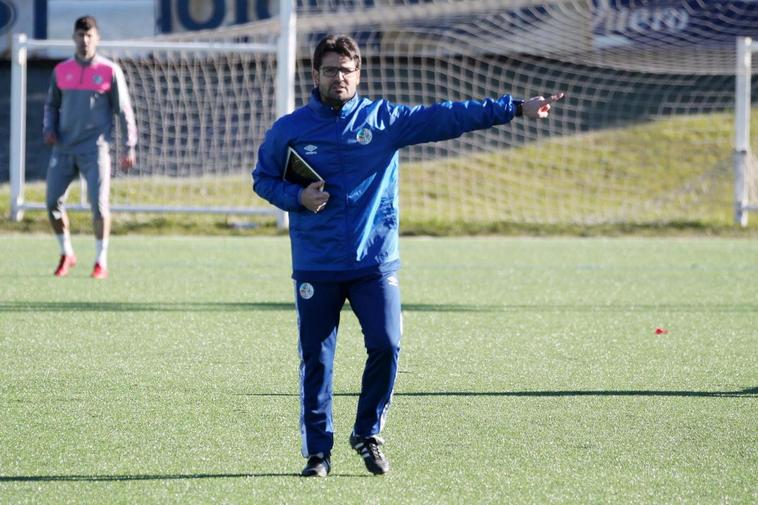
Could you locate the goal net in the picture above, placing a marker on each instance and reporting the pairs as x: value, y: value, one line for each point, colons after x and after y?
x: 201, y: 110
x: 645, y: 135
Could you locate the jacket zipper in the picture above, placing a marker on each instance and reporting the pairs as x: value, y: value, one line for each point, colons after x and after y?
x: 350, y: 259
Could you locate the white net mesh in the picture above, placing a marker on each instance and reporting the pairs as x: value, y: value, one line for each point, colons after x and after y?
x: 645, y: 135
x: 200, y: 116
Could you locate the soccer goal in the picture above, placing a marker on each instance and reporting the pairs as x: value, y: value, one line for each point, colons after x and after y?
x: 201, y: 108
x: 645, y: 135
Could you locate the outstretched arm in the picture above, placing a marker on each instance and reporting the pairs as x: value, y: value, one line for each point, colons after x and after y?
x: 447, y: 120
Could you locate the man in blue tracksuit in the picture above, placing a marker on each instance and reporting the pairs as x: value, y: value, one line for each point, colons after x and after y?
x: 344, y: 230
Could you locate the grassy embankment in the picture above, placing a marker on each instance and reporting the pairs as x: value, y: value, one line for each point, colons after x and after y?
x: 679, y: 172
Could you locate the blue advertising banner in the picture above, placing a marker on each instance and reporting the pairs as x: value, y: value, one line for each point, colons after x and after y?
x: 615, y: 23
x: 7, y: 16
x: 19, y: 16
x: 187, y: 15
x: 661, y: 23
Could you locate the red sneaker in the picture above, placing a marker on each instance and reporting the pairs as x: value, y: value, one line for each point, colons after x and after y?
x: 66, y: 263
x: 99, y: 272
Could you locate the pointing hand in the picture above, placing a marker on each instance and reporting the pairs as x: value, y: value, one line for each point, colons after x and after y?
x: 539, y: 106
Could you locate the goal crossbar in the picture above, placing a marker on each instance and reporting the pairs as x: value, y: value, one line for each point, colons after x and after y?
x: 207, y: 47
x: 241, y: 211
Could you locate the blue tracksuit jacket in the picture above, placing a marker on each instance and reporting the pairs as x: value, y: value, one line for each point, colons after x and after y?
x: 355, y: 150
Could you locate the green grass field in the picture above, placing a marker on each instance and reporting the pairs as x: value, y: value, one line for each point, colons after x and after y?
x: 531, y: 372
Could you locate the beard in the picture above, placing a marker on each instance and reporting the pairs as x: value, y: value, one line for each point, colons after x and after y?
x: 337, y: 99
x: 85, y: 53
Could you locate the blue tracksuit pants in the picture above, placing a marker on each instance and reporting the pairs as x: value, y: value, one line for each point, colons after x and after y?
x: 375, y: 300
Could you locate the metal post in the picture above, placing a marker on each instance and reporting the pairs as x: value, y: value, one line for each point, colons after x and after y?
x: 741, y: 156
x: 17, y: 164
x: 285, y: 72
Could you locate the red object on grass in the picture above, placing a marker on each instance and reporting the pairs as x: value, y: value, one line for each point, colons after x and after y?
x: 661, y: 331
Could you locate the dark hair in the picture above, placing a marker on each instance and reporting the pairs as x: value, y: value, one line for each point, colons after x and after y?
x: 85, y: 23
x: 343, y: 45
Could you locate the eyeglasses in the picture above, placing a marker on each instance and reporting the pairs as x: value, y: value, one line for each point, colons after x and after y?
x: 333, y: 71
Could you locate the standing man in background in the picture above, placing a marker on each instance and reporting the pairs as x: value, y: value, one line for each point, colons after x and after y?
x: 344, y: 230
x: 86, y: 91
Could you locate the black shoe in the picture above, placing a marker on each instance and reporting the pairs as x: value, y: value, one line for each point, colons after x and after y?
x: 317, y: 466
x: 368, y: 448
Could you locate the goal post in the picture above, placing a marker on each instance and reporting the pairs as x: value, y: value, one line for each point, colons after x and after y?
x: 201, y: 109
x: 17, y: 168
x: 744, y: 198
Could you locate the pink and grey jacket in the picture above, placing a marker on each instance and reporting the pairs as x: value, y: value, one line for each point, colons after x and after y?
x: 81, y: 102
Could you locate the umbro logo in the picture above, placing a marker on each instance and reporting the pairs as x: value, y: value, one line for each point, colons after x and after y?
x: 310, y: 149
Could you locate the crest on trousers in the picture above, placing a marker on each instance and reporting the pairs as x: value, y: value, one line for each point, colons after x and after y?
x: 306, y: 291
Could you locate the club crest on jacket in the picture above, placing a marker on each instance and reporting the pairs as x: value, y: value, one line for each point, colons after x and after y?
x: 364, y: 136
